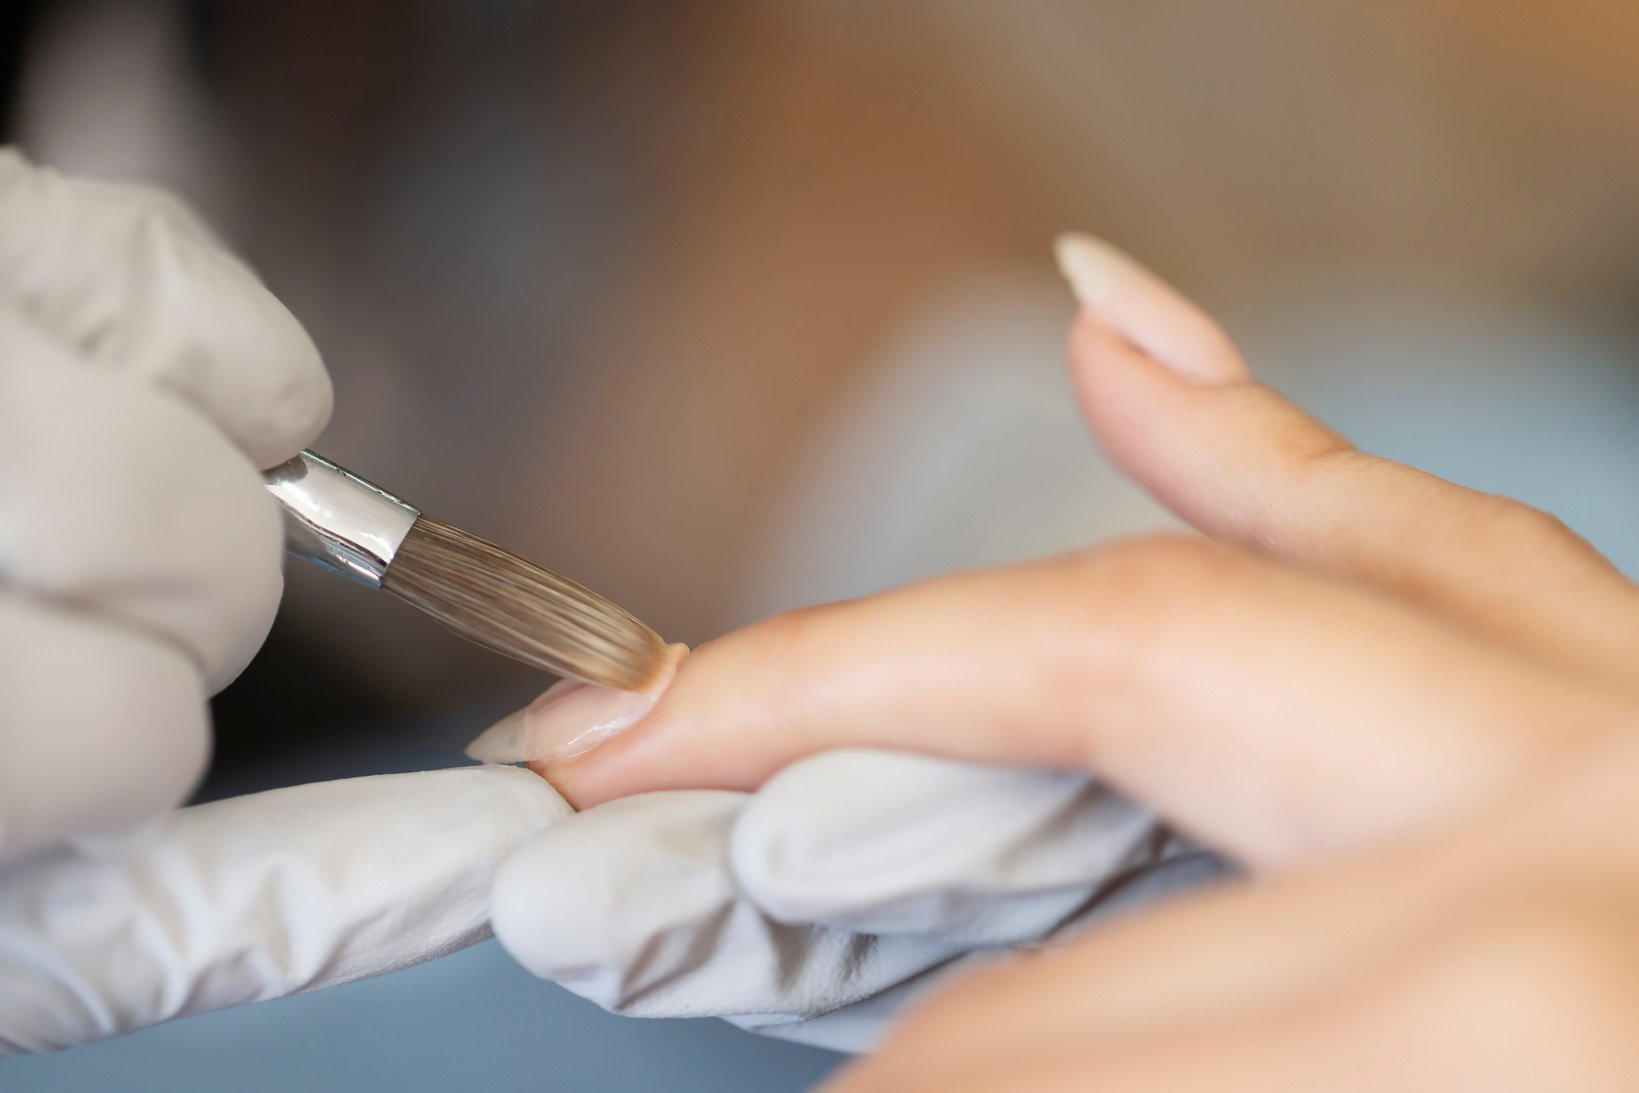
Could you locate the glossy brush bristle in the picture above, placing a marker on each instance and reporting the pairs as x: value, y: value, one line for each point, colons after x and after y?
x: 516, y: 608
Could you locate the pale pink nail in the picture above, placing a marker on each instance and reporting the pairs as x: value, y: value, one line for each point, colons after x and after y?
x: 569, y: 719
x: 1093, y: 268
x: 1147, y: 312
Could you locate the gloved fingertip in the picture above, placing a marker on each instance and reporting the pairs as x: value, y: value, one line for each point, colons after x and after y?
x: 547, y: 903
x: 581, y: 903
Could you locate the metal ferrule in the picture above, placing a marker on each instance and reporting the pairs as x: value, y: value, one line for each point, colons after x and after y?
x: 337, y: 520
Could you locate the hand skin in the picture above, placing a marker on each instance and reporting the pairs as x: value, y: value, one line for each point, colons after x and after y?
x: 1405, y: 705
x: 1499, y: 955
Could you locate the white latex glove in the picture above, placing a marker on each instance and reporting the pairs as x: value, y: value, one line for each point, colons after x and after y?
x: 145, y: 376
x: 254, y: 897
x: 814, y: 908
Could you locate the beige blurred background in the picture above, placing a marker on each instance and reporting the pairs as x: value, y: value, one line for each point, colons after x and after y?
x: 724, y: 307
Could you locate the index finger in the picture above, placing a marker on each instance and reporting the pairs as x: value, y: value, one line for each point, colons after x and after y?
x: 1275, y: 714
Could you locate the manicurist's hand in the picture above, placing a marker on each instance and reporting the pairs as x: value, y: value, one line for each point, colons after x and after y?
x: 146, y: 376
x: 1355, y: 655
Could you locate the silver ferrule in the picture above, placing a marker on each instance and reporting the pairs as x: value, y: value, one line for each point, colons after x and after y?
x: 337, y: 520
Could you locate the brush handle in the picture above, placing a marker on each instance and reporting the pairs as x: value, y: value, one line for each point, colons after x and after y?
x: 337, y: 520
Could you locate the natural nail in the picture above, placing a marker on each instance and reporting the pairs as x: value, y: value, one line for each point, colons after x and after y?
x: 1130, y: 301
x: 569, y: 719
x: 1092, y: 267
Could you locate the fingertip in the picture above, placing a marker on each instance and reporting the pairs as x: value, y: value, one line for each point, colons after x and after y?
x: 642, y: 758
x: 1124, y: 396
x: 1115, y: 290
x: 529, y: 922
x: 737, y: 710
x: 577, y: 902
x: 1095, y: 345
x: 576, y: 781
x: 132, y: 279
x: 219, y: 339
x: 658, y: 752
x: 1093, y: 267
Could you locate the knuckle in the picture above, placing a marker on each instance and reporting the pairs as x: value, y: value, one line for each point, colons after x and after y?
x: 1325, y: 461
x: 160, y: 210
x: 1139, y: 598
x: 1564, y: 962
x: 788, y: 647
x: 1156, y: 564
x: 1516, y: 525
x: 790, y: 637
x: 1520, y: 992
x: 196, y: 563
x: 1148, y: 588
x: 1311, y: 447
x: 1577, y: 955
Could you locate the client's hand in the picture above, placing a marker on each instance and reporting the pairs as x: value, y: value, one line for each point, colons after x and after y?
x: 1498, y: 955
x: 1364, y: 655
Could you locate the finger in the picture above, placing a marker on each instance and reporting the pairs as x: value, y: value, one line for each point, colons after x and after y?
x: 1245, y: 465
x: 1271, y: 713
x: 101, y: 726
x: 132, y: 280
x: 1161, y: 324
x: 1482, y: 995
x: 1202, y: 962
x: 886, y: 843
x: 634, y: 906
x: 1288, y: 1053
x: 1267, y: 1057
x: 1293, y: 945
x: 117, y: 502
x: 1196, y: 996
x: 255, y: 897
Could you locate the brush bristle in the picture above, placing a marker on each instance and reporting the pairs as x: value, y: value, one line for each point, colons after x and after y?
x: 516, y: 608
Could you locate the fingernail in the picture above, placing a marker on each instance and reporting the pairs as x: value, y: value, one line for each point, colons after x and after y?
x: 1092, y: 267
x: 569, y: 719
x: 1131, y: 302
x: 502, y: 742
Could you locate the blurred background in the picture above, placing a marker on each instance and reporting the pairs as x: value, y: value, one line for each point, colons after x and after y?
x: 726, y: 307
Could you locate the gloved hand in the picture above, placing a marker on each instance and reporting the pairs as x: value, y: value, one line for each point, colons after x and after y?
x: 145, y: 377
x: 816, y: 907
